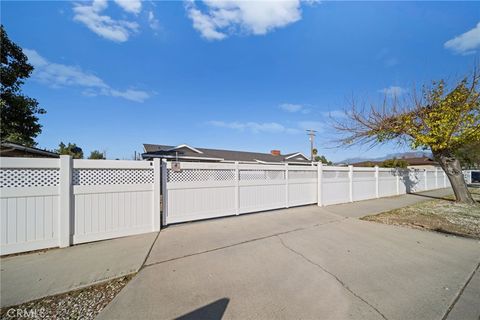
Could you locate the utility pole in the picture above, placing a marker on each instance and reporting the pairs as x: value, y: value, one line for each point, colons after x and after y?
x: 311, y: 137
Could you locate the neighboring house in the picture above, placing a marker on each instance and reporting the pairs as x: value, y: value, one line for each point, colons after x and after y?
x: 422, y: 163
x: 366, y: 163
x: 10, y: 149
x: 185, y: 152
x: 413, y: 163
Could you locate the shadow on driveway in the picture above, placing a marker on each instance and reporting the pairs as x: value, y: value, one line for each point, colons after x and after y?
x: 212, y: 311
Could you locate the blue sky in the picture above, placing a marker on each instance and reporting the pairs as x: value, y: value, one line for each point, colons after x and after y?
x: 238, y: 75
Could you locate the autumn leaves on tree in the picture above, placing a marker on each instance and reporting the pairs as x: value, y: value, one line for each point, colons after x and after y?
x: 442, y: 118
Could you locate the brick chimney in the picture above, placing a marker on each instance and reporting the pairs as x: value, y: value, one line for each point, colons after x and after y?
x: 275, y: 152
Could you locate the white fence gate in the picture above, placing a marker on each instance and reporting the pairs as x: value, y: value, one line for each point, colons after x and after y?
x: 208, y: 190
x: 112, y: 199
x: 194, y: 190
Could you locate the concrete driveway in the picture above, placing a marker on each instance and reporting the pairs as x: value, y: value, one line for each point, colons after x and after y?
x: 304, y: 263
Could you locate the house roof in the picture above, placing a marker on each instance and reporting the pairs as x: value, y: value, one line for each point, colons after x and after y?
x: 8, y: 148
x: 420, y: 161
x: 366, y: 163
x: 191, y: 153
x: 415, y: 161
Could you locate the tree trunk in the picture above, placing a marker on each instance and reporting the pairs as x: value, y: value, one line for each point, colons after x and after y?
x: 453, y: 169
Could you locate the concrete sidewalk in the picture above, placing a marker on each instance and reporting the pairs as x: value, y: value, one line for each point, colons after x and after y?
x: 374, y: 206
x: 32, y: 276
x: 305, y: 262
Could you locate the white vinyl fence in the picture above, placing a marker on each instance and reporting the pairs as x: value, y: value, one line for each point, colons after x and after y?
x: 194, y: 190
x: 58, y: 202
x: 208, y: 190
x: 30, y: 204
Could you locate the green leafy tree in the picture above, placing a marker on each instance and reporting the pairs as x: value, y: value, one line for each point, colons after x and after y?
x: 320, y: 158
x: 443, y: 119
x: 469, y: 156
x: 323, y: 160
x: 394, y: 163
x: 19, y: 113
x: 95, y: 154
x: 369, y: 164
x: 71, y: 150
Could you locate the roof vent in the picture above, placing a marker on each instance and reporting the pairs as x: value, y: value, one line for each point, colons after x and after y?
x: 275, y: 152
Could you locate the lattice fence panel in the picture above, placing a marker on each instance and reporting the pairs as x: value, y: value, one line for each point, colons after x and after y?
x: 95, y: 177
x: 335, y: 174
x: 302, y: 174
x: 267, y: 175
x: 11, y: 178
x: 196, y: 175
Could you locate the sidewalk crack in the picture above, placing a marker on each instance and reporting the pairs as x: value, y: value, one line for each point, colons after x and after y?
x: 343, y: 284
x: 145, y: 265
x: 459, y: 294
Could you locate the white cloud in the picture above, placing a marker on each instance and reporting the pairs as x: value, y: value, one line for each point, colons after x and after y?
x: 391, y: 62
x: 132, y: 6
x: 387, y: 57
x: 291, y: 107
x: 34, y: 58
x: 255, y: 127
x: 466, y: 43
x: 152, y: 21
x: 335, y: 114
x: 393, y: 91
x: 58, y: 75
x: 271, y: 127
x: 204, y: 24
x: 129, y: 94
x: 219, y: 19
x: 103, y: 25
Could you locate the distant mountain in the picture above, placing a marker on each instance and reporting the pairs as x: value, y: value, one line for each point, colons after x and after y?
x: 400, y: 155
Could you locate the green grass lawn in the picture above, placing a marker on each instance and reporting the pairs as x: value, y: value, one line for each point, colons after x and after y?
x: 443, y: 215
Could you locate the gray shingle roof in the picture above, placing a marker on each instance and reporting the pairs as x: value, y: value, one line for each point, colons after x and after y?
x: 155, y: 150
x: 7, y: 147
